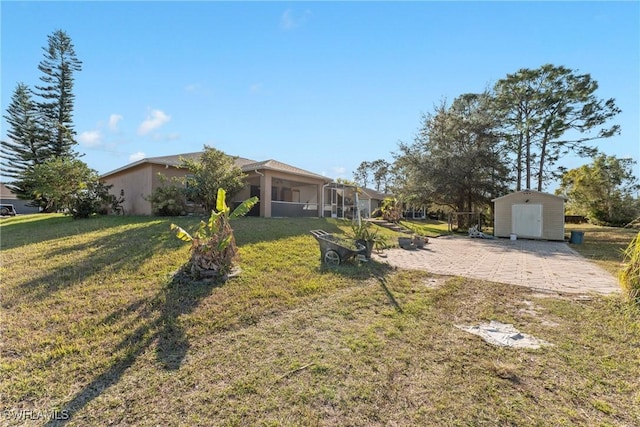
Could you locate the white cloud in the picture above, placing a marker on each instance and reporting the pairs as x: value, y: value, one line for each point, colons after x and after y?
x: 114, y: 119
x: 153, y: 121
x: 137, y: 156
x: 91, y: 138
x: 339, y: 171
x: 289, y: 20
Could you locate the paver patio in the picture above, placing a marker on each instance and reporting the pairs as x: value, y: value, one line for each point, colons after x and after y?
x: 543, y: 265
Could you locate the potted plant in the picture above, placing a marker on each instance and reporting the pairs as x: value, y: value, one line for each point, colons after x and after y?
x: 420, y: 241
x: 364, y: 234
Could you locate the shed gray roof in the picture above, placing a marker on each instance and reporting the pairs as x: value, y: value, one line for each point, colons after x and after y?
x: 529, y: 192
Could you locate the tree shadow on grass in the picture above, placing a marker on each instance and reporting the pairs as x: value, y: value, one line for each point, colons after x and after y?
x: 46, y: 227
x: 156, y: 321
x: 120, y: 251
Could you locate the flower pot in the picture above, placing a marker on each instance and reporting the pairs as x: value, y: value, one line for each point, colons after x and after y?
x: 368, y: 244
x: 405, y: 242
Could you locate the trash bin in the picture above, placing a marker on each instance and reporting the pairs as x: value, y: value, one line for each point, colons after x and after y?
x: 576, y: 237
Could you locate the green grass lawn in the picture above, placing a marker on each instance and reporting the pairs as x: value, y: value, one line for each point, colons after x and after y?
x: 92, y: 326
x: 427, y: 227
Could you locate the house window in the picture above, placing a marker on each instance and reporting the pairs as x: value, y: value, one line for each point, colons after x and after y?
x: 286, y: 195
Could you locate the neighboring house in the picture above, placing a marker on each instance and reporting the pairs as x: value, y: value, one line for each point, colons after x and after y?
x: 370, y: 200
x: 20, y: 206
x: 283, y: 190
x: 529, y: 214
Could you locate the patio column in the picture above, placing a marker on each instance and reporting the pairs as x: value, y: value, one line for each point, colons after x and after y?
x: 265, y: 195
x: 320, y: 199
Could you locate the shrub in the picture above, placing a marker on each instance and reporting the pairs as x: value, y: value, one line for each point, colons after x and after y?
x: 391, y: 210
x: 630, y: 274
x: 213, y: 170
x: 89, y: 200
x: 168, y: 199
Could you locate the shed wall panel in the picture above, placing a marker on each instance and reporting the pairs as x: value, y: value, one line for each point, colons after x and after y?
x: 552, y: 213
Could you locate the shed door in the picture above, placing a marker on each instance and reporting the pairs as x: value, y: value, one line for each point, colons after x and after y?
x: 526, y: 220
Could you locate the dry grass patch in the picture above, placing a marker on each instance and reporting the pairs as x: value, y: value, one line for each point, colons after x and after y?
x: 603, y: 245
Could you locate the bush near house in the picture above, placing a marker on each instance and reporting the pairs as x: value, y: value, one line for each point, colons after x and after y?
x: 168, y: 199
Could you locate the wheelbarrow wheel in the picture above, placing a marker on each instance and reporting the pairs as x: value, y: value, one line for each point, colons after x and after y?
x: 332, y: 257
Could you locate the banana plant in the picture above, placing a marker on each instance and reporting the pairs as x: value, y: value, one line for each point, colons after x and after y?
x: 213, y: 246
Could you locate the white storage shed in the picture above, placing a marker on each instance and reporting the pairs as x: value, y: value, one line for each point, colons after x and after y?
x: 529, y: 214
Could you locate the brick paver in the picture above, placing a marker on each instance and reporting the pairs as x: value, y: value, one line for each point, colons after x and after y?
x: 551, y: 266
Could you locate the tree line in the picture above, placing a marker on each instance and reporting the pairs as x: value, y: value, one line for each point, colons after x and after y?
x: 465, y: 153
x: 512, y: 137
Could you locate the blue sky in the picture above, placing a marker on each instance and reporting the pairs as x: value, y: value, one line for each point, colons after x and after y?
x: 321, y: 86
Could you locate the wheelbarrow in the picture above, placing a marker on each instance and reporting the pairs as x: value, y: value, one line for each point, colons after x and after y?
x: 335, y: 250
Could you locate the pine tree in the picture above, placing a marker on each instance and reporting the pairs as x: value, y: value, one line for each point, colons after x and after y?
x: 547, y: 113
x: 456, y: 159
x: 56, y: 107
x: 24, y: 147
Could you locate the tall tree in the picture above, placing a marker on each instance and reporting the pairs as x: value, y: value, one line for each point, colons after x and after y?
x: 58, y: 67
x: 602, y: 191
x: 361, y: 175
x: 214, y: 170
x: 24, y: 147
x: 380, y: 172
x: 455, y: 160
x: 547, y: 113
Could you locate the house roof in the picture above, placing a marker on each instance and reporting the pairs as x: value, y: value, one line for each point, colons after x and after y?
x: 368, y: 193
x: 247, y: 165
x: 529, y: 192
x: 375, y: 195
x: 173, y: 160
x: 275, y: 165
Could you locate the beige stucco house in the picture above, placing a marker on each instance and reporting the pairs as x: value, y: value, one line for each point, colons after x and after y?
x: 529, y: 214
x: 283, y: 190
